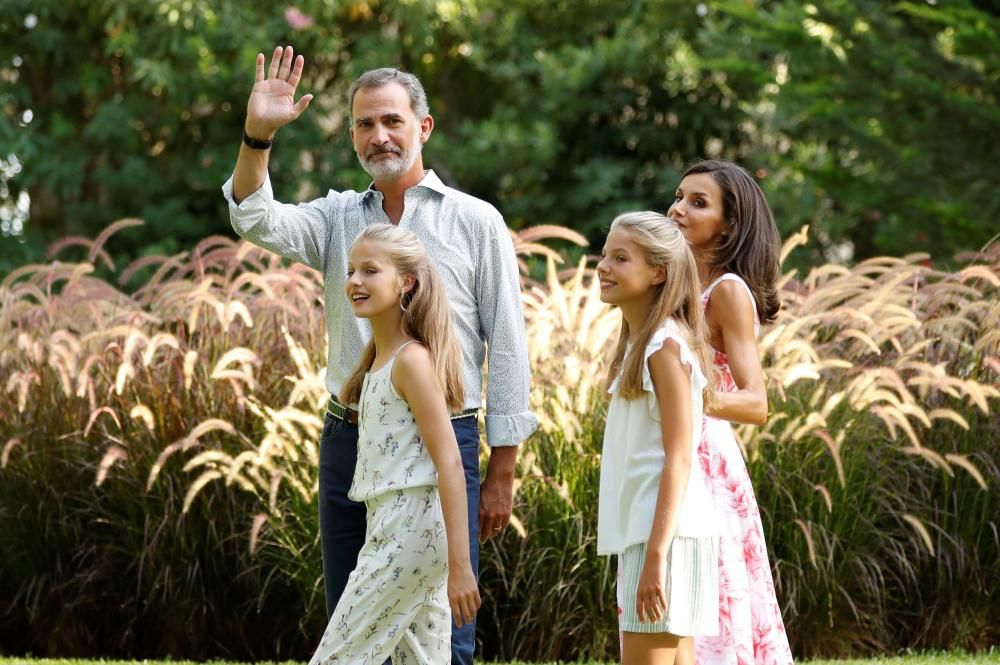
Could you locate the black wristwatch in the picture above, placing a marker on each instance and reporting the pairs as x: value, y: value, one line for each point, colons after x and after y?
x: 256, y: 144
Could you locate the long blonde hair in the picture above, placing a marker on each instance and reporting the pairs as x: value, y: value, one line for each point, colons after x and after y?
x: 678, y: 297
x: 426, y: 315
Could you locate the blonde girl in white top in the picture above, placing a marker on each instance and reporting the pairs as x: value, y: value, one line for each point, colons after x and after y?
x: 414, y: 574
x: 655, y: 510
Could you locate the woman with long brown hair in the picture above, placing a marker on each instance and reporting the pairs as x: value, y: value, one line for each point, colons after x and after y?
x: 724, y: 215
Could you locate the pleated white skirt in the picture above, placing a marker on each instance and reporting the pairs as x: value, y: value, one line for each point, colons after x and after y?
x: 692, y: 588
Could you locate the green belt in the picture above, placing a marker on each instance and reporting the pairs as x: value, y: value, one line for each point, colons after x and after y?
x: 348, y: 415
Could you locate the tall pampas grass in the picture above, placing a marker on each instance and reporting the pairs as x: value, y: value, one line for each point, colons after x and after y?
x: 160, y: 423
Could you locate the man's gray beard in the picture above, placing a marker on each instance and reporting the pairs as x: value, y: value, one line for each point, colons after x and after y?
x: 394, y: 168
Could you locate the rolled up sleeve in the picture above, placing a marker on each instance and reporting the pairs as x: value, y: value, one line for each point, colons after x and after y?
x: 297, y: 232
x: 509, y: 419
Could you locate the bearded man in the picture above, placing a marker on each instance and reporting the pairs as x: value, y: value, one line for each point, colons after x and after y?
x: 473, y: 252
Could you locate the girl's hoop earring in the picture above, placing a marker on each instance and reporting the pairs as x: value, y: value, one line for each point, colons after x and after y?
x: 403, y: 294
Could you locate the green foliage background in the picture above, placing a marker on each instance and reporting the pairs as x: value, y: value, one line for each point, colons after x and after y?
x: 870, y: 120
x: 874, y: 122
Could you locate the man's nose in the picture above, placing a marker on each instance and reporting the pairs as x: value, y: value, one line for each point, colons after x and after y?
x: 379, y: 135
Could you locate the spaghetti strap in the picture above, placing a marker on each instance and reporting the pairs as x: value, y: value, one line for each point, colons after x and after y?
x: 398, y: 349
x: 391, y: 361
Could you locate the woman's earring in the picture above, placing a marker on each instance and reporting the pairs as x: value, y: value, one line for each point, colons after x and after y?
x: 403, y: 309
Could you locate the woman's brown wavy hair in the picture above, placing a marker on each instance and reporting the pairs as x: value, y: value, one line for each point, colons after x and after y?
x: 751, y: 248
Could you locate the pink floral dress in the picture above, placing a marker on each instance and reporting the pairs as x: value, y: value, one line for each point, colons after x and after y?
x: 751, y: 631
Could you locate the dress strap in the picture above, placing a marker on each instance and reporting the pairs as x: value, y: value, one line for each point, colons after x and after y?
x: 400, y: 348
x: 392, y: 358
x: 732, y: 277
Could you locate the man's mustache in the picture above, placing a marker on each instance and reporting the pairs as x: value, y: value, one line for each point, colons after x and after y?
x: 382, y: 150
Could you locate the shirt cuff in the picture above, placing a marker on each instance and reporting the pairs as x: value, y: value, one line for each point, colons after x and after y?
x: 263, y: 196
x: 509, y: 430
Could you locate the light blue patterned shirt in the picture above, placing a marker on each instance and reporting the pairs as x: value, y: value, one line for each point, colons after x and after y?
x: 472, y: 250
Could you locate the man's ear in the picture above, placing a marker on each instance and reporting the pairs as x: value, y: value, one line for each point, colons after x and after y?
x: 426, y: 127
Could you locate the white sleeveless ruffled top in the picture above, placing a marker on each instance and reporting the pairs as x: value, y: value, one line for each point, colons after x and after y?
x: 633, y: 459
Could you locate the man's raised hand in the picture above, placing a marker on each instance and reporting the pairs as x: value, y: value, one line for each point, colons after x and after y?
x: 272, y: 101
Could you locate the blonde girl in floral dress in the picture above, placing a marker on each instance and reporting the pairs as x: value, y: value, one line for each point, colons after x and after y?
x: 655, y: 512
x: 727, y: 222
x: 414, y: 575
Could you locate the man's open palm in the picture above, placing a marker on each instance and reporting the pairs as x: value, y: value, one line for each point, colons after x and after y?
x: 272, y: 100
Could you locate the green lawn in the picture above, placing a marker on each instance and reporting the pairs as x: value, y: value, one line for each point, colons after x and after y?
x: 952, y: 658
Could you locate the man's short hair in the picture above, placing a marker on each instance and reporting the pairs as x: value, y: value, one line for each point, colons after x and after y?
x: 376, y: 78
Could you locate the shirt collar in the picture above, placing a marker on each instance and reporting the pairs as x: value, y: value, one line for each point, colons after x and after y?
x: 430, y: 181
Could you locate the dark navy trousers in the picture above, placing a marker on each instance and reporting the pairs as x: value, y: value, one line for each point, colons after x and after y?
x: 342, y: 521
